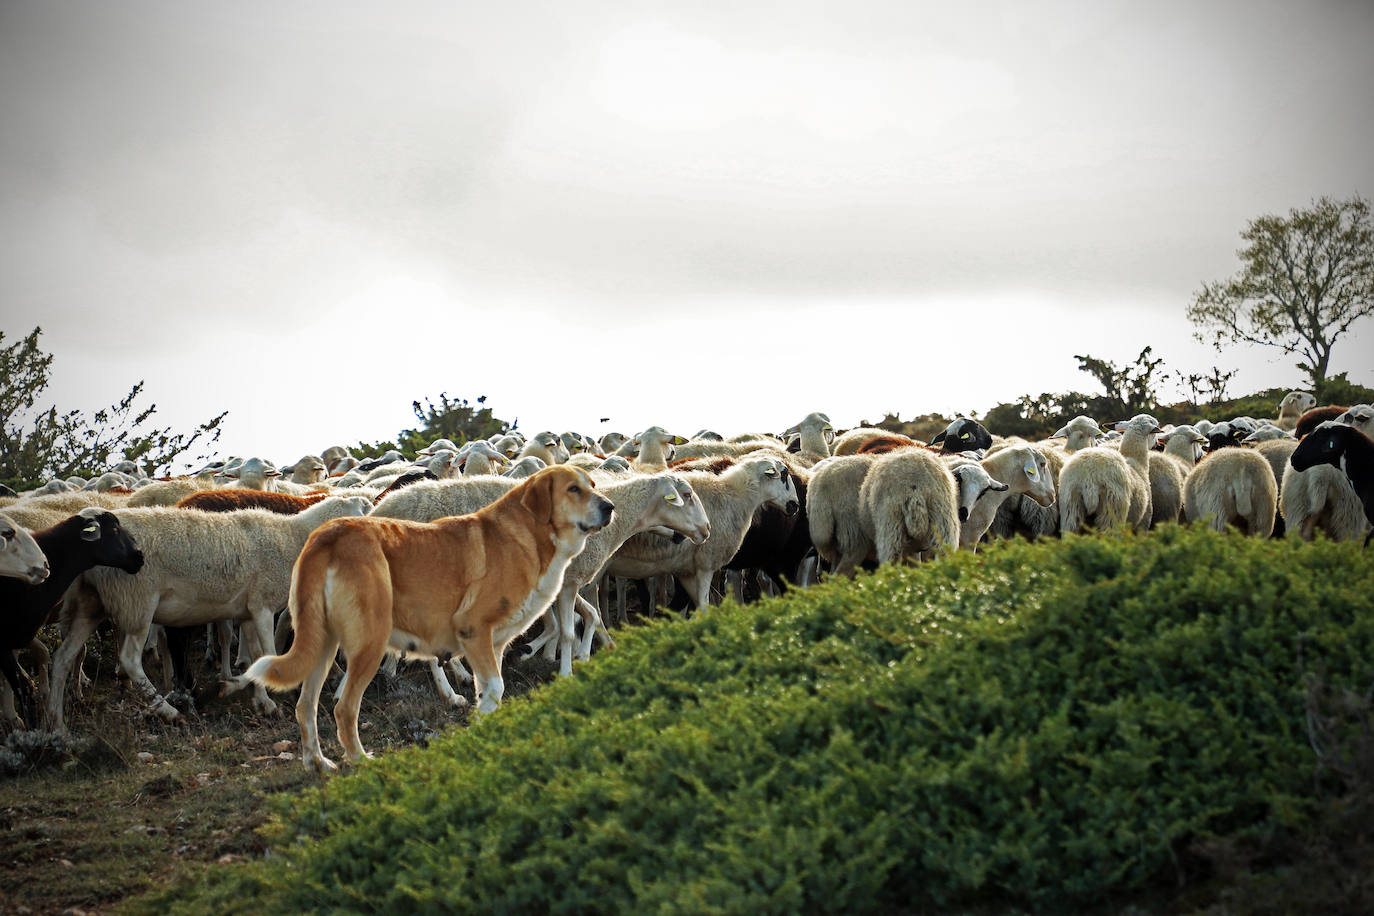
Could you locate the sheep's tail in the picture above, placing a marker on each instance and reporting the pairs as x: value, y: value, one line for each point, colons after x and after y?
x: 1240, y: 492
x: 308, y: 621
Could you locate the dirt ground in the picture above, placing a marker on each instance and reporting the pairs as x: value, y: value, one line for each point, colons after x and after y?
x: 131, y: 802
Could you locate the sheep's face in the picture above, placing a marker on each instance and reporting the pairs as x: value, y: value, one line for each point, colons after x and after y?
x: 973, y: 482
x: 1039, y: 480
x: 111, y: 544
x: 680, y: 511
x: 776, y: 485
x: 1294, y: 403
x: 1326, y: 444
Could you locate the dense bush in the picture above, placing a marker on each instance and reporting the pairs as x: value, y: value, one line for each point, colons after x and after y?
x: 1041, y: 726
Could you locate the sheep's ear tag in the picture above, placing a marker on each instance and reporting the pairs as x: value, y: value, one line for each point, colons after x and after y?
x: 91, y: 532
x: 1030, y: 469
x: 771, y: 472
x: 673, y: 499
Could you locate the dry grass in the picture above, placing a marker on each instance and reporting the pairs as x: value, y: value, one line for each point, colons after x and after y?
x: 131, y: 802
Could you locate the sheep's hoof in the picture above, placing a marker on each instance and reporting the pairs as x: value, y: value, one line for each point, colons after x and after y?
x: 458, y: 701
x: 166, y: 711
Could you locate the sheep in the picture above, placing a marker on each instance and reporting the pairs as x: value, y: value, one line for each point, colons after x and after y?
x: 777, y: 542
x: 525, y: 467
x: 851, y: 441
x: 253, y: 474
x: 547, y: 447
x: 1021, y: 470
x: 20, y: 555
x: 1321, y: 497
x: 230, y: 499
x: 643, y: 502
x: 972, y: 483
x: 615, y: 464
x: 881, y: 445
x: 424, y: 502
x: 1095, y: 489
x: 1079, y: 433
x: 480, y: 457
x: 170, y: 492
x: 110, y: 480
x: 335, y: 457
x: 1345, y: 447
x: 308, y: 470
x: 730, y: 500
x: 908, y: 506
x: 610, y: 442
x: 1138, y: 434
x: 1293, y: 406
x: 93, y: 537
x: 199, y: 567
x: 1315, y: 417
x: 1166, y: 488
x: 508, y: 444
x: 815, y: 433
x: 390, y: 456
x: 1020, y: 514
x: 655, y: 449
x: 1267, y: 432
x: 832, y: 510
x: 1184, y: 443
x: 1232, y: 486
x: 963, y: 435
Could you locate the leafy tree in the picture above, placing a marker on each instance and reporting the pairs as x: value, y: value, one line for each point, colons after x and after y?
x: 1305, y: 280
x: 52, y: 444
x: 456, y: 420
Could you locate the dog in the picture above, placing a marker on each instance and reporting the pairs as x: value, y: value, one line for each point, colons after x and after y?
x: 464, y: 585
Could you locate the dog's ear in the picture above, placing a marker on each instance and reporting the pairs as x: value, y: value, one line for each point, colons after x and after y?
x: 538, y: 497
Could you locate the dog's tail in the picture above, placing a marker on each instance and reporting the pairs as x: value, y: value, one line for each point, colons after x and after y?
x: 307, y: 606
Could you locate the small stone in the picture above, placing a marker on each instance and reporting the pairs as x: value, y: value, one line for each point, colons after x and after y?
x: 145, y: 756
x: 65, y: 863
x: 286, y: 755
x: 280, y: 746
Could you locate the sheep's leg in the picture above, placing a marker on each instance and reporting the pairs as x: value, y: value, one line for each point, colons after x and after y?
x: 8, y: 714
x: 451, y: 696
x: 390, y: 665
x: 131, y: 663
x: 593, y: 628
x: 162, y: 651
x: 567, y: 628
x: 245, y: 654
x: 80, y: 626
x: 735, y: 580
x: 621, y: 615
x: 547, y: 639
x: 698, y: 586
x: 42, y: 667
x: 20, y: 686
x: 282, y: 634
x: 263, y: 631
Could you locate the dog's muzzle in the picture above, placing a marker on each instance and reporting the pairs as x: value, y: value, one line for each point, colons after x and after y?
x: 604, y: 510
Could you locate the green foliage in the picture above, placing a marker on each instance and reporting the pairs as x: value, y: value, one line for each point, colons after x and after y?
x: 1043, y: 726
x: 1304, y: 281
x: 456, y: 420
x: 53, y: 444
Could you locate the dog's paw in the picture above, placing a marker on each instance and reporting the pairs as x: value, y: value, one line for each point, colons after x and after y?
x: 265, y: 706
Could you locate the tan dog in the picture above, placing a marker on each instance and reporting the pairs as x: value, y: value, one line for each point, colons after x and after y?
x: 467, y: 584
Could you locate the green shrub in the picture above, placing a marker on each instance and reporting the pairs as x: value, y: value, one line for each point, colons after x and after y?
x: 1038, y: 726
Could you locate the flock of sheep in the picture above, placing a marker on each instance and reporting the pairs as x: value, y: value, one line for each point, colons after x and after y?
x: 217, y: 548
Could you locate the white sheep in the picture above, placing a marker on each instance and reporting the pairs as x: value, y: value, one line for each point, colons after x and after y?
x: 908, y: 505
x: 655, y: 449
x: 252, y: 474
x: 1095, y: 489
x: 815, y: 433
x: 1079, y: 433
x: 832, y: 512
x: 310, y: 469
x: 546, y: 446
x: 199, y: 567
x: 424, y: 502
x: 660, y: 501
x: 20, y: 555
x: 731, y: 499
x: 524, y: 467
x: 1232, y: 486
x: 1022, y: 470
x: 1020, y: 514
x: 1293, y: 406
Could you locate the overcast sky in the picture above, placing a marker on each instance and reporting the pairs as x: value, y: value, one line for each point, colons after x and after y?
x: 699, y: 214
